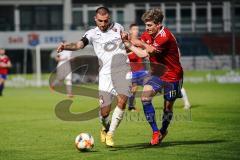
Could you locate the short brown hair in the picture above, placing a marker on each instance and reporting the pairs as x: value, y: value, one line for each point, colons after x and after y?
x: 133, y: 25
x: 102, y: 10
x: 155, y: 15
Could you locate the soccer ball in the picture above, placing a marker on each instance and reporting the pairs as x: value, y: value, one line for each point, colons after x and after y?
x: 84, y: 142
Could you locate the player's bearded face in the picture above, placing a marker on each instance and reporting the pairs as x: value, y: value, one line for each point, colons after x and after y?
x: 152, y: 28
x: 102, y: 21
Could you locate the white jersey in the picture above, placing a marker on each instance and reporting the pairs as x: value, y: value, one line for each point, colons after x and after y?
x: 109, y: 48
x: 64, y: 56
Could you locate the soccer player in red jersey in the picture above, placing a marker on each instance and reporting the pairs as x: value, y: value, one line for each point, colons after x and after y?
x: 5, y: 63
x: 139, y: 73
x: 167, y: 73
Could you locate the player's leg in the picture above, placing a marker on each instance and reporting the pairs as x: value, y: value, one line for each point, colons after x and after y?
x: 58, y: 80
x: 149, y: 111
x: 166, y: 118
x: 117, y: 117
x: 2, y: 80
x: 1, y: 86
x: 105, y: 121
x: 172, y: 91
x: 63, y: 71
x: 68, y: 80
x: 105, y: 100
x: 131, y: 99
x: 118, y: 112
x: 122, y: 86
x: 104, y: 117
x: 185, y: 99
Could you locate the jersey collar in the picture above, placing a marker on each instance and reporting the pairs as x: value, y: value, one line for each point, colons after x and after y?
x: 109, y: 28
x: 161, y: 30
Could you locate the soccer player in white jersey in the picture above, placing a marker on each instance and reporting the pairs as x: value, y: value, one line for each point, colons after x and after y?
x: 64, y: 68
x: 114, y: 69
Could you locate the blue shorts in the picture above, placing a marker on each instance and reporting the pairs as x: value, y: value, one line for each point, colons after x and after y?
x: 138, y: 77
x: 171, y: 90
x: 3, y: 76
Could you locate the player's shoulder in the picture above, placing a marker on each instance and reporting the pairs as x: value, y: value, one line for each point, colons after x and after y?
x: 145, y: 36
x: 92, y: 31
x: 118, y: 26
x: 145, y: 33
x: 165, y: 32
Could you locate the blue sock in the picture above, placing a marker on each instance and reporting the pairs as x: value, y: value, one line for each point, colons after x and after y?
x: 131, y: 101
x: 150, y: 114
x: 166, y: 118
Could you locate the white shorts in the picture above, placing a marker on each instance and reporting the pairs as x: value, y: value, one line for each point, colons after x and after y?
x: 110, y: 86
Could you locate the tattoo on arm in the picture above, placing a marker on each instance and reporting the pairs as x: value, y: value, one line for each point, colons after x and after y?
x: 71, y: 46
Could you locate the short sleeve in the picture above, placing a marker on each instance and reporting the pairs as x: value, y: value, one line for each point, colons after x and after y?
x: 89, y: 36
x: 121, y: 28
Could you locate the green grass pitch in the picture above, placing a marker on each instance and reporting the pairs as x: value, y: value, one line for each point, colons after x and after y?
x: 30, y: 130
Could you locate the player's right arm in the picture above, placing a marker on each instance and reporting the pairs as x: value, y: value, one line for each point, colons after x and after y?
x: 71, y: 46
x: 86, y: 39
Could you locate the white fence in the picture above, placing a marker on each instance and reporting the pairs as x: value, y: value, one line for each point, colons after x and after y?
x: 209, y: 63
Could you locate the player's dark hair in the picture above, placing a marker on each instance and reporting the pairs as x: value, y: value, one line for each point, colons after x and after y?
x: 155, y: 15
x: 102, y: 10
x: 133, y: 25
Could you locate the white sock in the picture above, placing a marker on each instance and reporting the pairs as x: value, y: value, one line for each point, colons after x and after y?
x: 185, y: 98
x: 116, y: 119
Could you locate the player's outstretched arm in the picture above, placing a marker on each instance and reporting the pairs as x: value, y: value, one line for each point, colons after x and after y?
x: 70, y: 46
x: 138, y: 51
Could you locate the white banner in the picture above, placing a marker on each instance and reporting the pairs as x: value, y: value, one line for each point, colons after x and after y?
x: 23, y: 40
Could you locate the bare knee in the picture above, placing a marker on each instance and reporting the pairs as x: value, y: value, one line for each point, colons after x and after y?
x: 105, y: 111
x: 122, y: 100
x: 168, y: 105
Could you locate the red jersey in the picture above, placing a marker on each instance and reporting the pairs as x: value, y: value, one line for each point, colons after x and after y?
x: 166, y: 62
x: 4, y: 59
x: 136, y: 62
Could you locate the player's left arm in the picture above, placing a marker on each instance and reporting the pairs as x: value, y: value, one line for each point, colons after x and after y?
x: 137, y: 50
x: 130, y: 45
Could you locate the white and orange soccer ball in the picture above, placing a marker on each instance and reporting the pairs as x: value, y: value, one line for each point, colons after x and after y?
x: 84, y: 142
